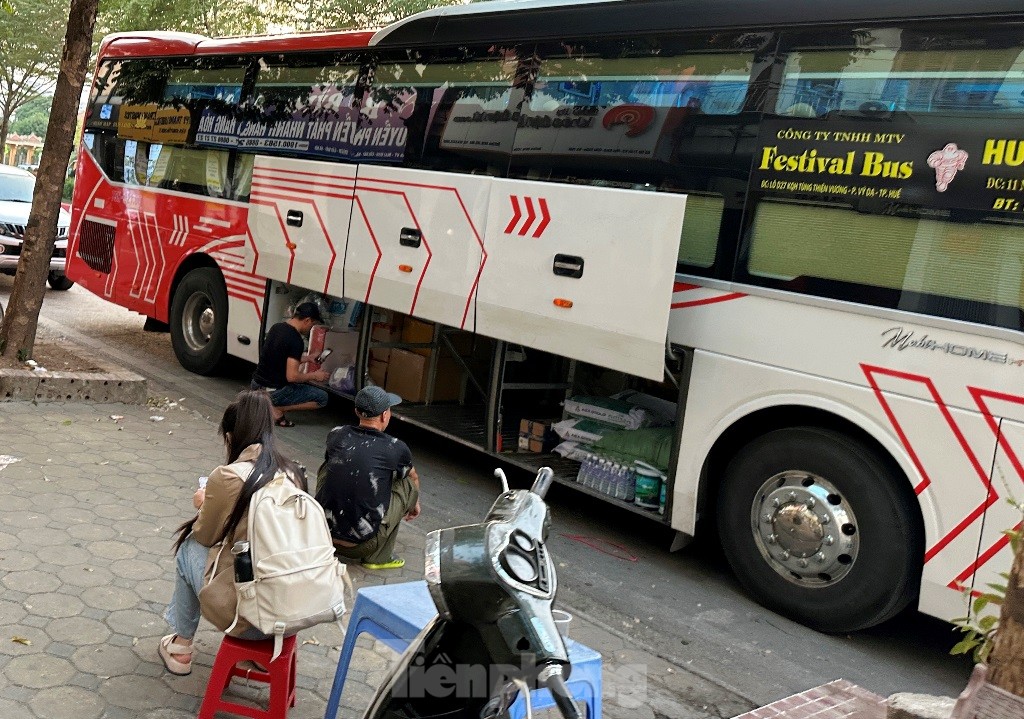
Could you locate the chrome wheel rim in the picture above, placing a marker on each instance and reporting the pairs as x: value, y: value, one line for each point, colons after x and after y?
x: 805, y: 529
x: 198, y: 321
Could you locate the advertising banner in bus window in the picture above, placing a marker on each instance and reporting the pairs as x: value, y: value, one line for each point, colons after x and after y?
x: 936, y: 163
x: 326, y: 123
x: 151, y: 122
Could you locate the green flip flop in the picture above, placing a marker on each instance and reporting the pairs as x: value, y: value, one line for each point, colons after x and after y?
x: 394, y: 563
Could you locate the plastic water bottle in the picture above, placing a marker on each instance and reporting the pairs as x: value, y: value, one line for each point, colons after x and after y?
x: 615, y: 480
x: 584, y: 474
x: 620, y: 478
x: 629, y: 484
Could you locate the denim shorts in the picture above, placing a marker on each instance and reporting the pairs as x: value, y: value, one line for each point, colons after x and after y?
x: 292, y: 394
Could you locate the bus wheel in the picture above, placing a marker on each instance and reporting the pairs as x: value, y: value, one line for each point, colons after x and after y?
x: 199, y: 321
x: 59, y: 281
x: 819, y: 528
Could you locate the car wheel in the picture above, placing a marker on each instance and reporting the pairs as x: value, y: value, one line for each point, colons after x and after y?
x: 59, y: 281
x: 199, y: 321
x: 819, y: 528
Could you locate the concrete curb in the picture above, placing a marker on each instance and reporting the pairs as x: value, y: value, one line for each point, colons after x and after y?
x: 112, y: 385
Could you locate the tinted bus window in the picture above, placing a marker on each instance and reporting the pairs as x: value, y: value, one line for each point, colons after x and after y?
x: 148, y: 116
x: 458, y: 108
x: 888, y: 174
x: 643, y: 114
x: 307, y: 106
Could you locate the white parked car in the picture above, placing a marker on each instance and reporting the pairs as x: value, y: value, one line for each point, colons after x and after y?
x: 16, y: 187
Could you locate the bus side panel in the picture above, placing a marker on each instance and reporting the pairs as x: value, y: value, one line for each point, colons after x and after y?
x: 416, y: 243
x: 1007, y: 482
x: 945, y: 452
x: 127, y: 243
x: 298, y: 218
x: 584, y: 272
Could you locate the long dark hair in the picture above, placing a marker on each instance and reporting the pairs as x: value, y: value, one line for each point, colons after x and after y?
x: 247, y: 421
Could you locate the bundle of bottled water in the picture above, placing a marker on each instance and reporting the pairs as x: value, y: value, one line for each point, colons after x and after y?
x: 608, y: 477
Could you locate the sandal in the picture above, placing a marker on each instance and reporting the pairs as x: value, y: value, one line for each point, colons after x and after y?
x: 283, y: 421
x: 168, y: 648
x: 393, y: 563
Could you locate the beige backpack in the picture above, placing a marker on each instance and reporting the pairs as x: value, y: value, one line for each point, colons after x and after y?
x: 297, y: 582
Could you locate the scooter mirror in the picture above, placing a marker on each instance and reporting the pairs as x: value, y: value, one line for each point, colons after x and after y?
x: 500, y: 474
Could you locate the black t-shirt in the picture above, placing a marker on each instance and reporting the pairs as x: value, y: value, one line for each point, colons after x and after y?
x: 360, y: 465
x: 282, y: 341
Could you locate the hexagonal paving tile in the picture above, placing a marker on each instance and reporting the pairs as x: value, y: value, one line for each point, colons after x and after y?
x: 31, y: 582
x: 54, y: 605
x: 110, y: 598
x: 85, y: 575
x: 67, y: 702
x: 137, y: 623
x: 78, y: 631
x: 105, y: 660
x: 134, y: 692
x: 39, y: 671
x: 113, y: 550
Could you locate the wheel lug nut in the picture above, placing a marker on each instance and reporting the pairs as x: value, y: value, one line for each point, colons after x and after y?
x: 792, y: 496
x: 820, y: 556
x: 829, y: 540
x: 772, y: 539
x: 766, y: 518
x: 785, y: 554
x: 825, y: 519
x: 776, y: 502
x: 803, y: 562
x: 810, y: 503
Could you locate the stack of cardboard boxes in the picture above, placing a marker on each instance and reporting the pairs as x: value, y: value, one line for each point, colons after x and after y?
x: 536, y: 435
x: 406, y: 371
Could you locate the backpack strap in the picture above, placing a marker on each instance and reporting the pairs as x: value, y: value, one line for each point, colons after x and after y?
x: 278, y: 639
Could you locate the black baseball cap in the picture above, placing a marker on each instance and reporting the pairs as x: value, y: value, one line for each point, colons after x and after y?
x: 373, y: 401
x: 308, y: 311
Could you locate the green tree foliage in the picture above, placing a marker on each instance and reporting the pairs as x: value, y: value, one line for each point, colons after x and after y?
x: 30, y: 47
x: 218, y: 18
x: 32, y: 117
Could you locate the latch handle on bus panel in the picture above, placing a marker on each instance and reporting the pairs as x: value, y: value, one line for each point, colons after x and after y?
x: 410, y: 237
x: 294, y: 218
x: 568, y: 266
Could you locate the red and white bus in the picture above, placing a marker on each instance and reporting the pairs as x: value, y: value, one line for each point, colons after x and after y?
x: 798, y: 225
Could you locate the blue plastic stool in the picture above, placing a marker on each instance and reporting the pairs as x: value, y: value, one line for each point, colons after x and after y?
x: 393, y: 613
x: 396, y: 613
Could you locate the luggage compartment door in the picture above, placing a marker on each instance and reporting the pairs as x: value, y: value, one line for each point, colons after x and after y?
x: 416, y: 243
x: 584, y: 272
x: 298, y: 217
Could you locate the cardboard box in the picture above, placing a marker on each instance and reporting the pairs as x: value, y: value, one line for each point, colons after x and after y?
x: 386, y: 332
x: 538, y: 445
x: 378, y: 372
x: 540, y: 428
x: 407, y: 377
x: 417, y: 331
x: 380, y: 354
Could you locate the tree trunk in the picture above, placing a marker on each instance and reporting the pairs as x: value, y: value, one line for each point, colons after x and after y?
x: 5, y: 126
x: 18, y: 334
x: 1006, y: 662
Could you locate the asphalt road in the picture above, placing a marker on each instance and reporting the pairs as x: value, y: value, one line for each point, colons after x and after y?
x: 614, y: 566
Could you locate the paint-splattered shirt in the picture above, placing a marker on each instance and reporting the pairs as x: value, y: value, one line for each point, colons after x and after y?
x: 360, y: 465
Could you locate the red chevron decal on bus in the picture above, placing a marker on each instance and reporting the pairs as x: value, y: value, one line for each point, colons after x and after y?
x: 531, y: 216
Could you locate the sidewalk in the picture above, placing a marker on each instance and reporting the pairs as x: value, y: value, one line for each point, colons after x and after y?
x: 87, y: 512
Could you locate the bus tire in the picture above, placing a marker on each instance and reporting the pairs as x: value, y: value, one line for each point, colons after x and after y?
x: 199, y: 321
x: 819, y: 528
x: 59, y: 281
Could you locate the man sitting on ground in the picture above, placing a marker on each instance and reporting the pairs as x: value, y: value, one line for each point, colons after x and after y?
x: 367, y: 483
x: 278, y: 370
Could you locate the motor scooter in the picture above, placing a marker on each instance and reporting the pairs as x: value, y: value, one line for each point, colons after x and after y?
x: 494, y: 586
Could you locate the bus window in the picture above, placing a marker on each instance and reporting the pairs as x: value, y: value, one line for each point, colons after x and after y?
x: 459, y: 108
x: 670, y: 116
x: 879, y: 176
x: 903, y: 71
x: 308, y: 106
x: 970, y: 271
x: 149, y: 116
x: 699, y: 241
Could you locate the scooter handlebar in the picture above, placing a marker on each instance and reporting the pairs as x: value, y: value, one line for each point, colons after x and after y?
x: 551, y: 677
x: 542, y: 483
